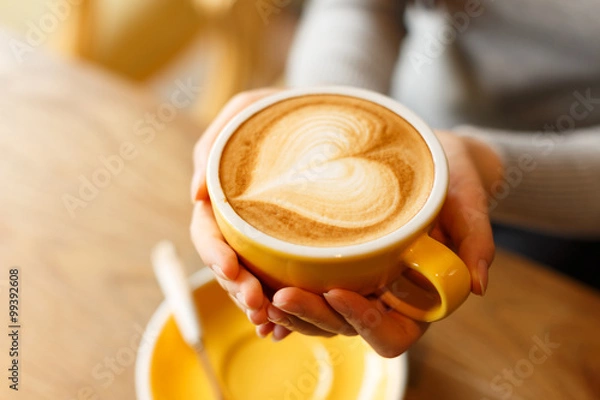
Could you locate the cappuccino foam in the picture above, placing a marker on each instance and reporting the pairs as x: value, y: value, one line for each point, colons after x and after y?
x: 326, y: 170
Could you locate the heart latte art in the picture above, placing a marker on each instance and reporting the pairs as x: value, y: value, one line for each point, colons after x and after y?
x: 326, y: 170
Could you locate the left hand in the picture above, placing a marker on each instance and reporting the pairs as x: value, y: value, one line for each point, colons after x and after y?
x: 463, y: 225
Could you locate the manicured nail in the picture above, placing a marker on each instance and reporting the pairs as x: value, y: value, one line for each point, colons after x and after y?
x: 217, y: 270
x: 482, y: 271
x: 338, y: 305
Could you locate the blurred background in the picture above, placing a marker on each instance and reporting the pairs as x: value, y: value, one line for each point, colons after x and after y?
x: 226, y: 46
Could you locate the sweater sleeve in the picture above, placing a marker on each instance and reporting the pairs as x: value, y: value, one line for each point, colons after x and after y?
x: 551, y: 181
x: 347, y: 42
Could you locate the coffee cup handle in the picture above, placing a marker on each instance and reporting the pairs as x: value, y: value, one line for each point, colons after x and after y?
x: 435, y: 283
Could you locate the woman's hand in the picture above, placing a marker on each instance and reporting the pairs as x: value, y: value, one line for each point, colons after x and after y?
x: 463, y: 225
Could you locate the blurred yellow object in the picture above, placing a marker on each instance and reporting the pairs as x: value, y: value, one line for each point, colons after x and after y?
x: 139, y: 38
x: 133, y: 38
x: 136, y: 37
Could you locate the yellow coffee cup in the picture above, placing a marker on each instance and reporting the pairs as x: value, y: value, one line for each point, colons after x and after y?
x: 386, y: 266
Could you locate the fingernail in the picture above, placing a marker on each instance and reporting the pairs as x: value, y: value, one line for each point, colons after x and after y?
x: 217, y: 269
x: 482, y: 271
x: 338, y: 305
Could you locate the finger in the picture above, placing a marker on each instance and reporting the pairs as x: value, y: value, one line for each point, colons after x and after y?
x: 202, y: 147
x: 263, y: 330
x: 235, y: 290
x: 387, y: 332
x: 280, y: 333
x: 313, y: 309
x: 293, y: 323
x: 466, y: 219
x: 209, y: 243
x: 222, y: 259
x: 246, y: 290
x: 250, y: 289
x: 257, y: 316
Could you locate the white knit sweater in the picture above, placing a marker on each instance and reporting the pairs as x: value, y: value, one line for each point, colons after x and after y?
x: 533, y: 69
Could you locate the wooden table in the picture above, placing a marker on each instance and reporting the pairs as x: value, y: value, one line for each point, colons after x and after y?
x: 87, y: 290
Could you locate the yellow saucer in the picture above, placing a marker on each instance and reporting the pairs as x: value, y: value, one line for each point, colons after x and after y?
x: 297, y: 368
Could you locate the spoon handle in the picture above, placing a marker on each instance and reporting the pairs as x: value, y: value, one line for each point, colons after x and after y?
x: 170, y: 274
x: 172, y: 280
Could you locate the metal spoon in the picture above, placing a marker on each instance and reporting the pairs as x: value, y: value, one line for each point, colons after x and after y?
x: 170, y: 274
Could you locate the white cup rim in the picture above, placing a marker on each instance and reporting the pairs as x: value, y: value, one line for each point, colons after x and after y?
x: 422, y: 219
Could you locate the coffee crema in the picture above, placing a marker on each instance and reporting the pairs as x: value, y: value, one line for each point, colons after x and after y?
x: 326, y: 170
